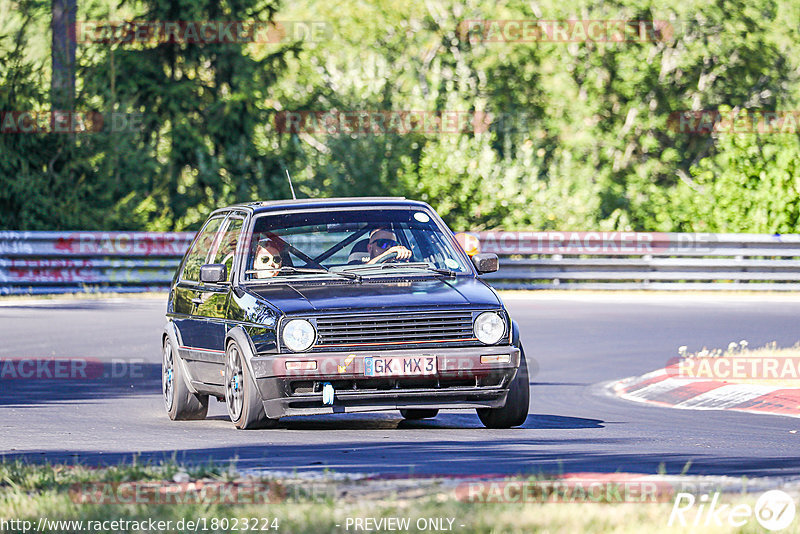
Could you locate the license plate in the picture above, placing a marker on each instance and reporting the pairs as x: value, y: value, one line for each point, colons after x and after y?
x: 400, y: 366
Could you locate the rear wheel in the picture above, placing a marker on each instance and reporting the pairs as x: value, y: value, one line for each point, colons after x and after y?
x: 180, y: 403
x: 515, y: 411
x: 241, y: 397
x: 414, y: 414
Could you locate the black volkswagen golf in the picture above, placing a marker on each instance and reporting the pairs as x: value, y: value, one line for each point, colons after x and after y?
x: 334, y: 306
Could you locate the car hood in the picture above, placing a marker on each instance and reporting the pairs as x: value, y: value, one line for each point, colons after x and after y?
x: 460, y: 292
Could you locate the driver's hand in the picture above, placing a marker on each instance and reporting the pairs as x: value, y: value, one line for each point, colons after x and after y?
x: 402, y: 254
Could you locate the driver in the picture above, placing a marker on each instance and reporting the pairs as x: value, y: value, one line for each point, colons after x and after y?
x: 383, y: 243
x: 268, y: 259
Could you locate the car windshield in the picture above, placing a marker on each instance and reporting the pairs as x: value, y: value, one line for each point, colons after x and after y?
x: 350, y: 244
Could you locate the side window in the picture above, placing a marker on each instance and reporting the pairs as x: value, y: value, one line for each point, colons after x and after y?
x: 226, y: 250
x: 199, y: 251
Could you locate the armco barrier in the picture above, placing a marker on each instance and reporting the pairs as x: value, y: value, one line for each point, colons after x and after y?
x: 62, y: 262
x: 644, y: 260
x: 66, y: 262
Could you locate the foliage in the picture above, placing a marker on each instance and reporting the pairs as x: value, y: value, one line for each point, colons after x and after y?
x: 752, y: 184
x: 578, y: 136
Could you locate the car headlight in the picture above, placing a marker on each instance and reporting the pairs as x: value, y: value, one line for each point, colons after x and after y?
x: 298, y: 335
x: 489, y: 327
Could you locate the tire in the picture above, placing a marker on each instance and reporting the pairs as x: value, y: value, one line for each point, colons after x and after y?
x: 241, y: 396
x: 515, y: 411
x: 180, y: 403
x: 414, y: 414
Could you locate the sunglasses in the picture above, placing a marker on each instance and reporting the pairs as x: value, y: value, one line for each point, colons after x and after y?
x: 269, y: 259
x: 384, y: 244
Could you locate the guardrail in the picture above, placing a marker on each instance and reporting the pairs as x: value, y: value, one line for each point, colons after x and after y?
x: 643, y: 260
x: 66, y: 262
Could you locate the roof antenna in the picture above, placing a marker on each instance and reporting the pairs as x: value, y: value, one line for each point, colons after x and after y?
x: 290, y: 184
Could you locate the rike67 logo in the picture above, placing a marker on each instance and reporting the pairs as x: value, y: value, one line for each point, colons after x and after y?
x: 774, y: 510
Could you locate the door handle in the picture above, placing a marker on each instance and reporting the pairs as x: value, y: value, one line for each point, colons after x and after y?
x: 197, y: 301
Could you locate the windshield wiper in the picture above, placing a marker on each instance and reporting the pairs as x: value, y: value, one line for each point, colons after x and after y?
x: 286, y: 269
x: 416, y: 265
x: 446, y: 272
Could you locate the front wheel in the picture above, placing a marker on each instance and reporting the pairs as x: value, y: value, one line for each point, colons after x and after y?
x: 180, y: 403
x: 515, y: 411
x: 241, y: 397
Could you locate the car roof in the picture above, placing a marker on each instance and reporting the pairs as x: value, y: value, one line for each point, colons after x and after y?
x: 325, y: 203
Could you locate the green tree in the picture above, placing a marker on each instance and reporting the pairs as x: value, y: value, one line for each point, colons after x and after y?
x: 751, y: 184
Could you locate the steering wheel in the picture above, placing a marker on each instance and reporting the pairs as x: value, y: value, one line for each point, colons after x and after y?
x: 394, y: 255
x: 387, y: 257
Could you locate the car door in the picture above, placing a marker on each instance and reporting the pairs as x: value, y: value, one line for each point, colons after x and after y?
x: 211, y: 306
x: 197, y: 347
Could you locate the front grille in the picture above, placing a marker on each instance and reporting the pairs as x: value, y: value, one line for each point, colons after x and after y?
x: 394, y: 329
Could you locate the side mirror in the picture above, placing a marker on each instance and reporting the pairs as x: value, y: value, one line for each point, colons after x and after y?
x: 213, y: 273
x: 486, y: 262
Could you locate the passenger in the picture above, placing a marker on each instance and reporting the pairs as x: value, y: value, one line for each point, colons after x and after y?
x: 382, y: 243
x: 268, y: 259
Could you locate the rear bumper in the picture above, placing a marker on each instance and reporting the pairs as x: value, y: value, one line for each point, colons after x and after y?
x: 461, y: 381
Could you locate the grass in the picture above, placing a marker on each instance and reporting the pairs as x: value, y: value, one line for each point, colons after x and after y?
x: 29, y: 492
x: 28, y: 477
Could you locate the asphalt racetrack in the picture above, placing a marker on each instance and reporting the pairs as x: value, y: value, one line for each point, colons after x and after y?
x: 575, y: 342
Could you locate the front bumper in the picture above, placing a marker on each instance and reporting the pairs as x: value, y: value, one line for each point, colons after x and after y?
x: 461, y: 381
